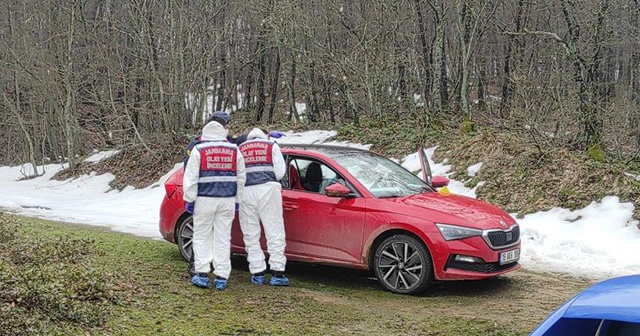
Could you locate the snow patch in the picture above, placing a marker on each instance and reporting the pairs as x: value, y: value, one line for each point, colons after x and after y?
x: 474, y: 169
x: 97, y: 157
x: 301, y: 108
x: 633, y: 176
x: 310, y: 137
x: 599, y: 240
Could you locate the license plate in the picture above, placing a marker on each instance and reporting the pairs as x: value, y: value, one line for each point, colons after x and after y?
x: 509, y: 256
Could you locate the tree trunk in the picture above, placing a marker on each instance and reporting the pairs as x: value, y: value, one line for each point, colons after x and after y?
x: 293, y: 110
x: 635, y: 76
x: 69, y: 104
x: 463, y: 31
x: 482, y: 75
x: 426, y: 63
x: 587, y: 111
x: 262, y: 73
x: 438, y: 62
x: 16, y: 105
x: 274, y: 85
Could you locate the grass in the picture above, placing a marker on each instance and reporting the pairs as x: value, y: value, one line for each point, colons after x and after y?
x: 124, y: 285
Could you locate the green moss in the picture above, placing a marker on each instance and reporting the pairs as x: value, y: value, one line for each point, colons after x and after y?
x: 467, y: 126
x: 596, y: 152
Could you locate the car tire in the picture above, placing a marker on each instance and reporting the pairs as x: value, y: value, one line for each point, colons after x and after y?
x: 402, y: 264
x: 184, y: 237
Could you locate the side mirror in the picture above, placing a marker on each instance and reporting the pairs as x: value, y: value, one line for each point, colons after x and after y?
x: 337, y: 190
x: 439, y: 181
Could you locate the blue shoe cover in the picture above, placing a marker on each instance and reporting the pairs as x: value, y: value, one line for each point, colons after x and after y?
x: 280, y: 280
x: 200, y: 280
x: 220, y: 283
x: 259, y: 279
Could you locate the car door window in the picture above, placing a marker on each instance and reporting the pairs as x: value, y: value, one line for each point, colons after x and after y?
x: 619, y: 328
x: 311, y: 175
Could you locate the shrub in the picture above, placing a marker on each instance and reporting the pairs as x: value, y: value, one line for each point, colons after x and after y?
x: 48, y: 284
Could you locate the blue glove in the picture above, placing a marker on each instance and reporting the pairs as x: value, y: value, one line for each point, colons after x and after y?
x: 189, y: 207
x: 276, y: 134
x: 237, y: 207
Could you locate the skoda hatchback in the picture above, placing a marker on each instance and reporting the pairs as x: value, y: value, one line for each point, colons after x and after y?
x: 356, y: 209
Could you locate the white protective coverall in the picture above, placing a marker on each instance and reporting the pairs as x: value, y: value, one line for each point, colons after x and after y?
x: 213, y: 214
x: 263, y: 202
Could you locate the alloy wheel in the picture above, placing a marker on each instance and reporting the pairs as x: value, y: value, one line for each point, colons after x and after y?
x: 402, y: 265
x: 185, y: 238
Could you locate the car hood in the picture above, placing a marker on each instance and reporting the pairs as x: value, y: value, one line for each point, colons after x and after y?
x: 468, y: 211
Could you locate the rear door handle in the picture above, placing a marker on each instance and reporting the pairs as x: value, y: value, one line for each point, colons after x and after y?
x: 290, y: 206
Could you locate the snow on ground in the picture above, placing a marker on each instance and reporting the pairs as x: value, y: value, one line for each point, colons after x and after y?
x: 633, y: 176
x: 301, y: 108
x: 474, y: 169
x: 310, y: 137
x: 600, y: 240
x: 99, y: 156
x: 87, y: 199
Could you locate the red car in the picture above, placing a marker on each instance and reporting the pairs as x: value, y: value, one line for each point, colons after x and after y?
x: 353, y: 208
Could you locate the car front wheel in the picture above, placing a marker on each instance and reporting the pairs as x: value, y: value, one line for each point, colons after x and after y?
x: 403, y: 265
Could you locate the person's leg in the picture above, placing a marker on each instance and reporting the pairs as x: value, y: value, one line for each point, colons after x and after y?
x: 202, y: 238
x: 250, y: 225
x: 271, y: 216
x: 222, y: 240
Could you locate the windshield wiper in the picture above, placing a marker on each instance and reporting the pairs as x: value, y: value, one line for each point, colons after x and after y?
x: 392, y: 196
x: 420, y: 189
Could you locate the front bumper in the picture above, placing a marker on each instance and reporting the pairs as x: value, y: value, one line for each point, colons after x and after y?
x: 485, y: 264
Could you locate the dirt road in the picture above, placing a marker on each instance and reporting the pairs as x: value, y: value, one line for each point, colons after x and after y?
x: 514, y: 304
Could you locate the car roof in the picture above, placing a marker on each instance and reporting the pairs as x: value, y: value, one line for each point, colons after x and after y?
x: 614, y: 299
x: 328, y: 150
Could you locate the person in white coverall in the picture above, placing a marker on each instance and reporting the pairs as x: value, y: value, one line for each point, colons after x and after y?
x: 262, y: 201
x: 213, y: 183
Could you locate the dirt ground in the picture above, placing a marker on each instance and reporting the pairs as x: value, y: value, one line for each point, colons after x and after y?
x: 522, y: 298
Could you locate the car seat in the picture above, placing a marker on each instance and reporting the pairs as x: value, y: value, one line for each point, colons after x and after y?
x: 294, y: 178
x: 313, y: 177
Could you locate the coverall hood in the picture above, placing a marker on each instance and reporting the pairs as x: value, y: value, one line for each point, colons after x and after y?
x: 214, y: 131
x: 256, y: 133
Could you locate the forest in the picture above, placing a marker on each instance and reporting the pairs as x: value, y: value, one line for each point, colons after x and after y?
x: 83, y: 74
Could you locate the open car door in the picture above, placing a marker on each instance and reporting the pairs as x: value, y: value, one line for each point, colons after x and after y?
x: 426, y: 168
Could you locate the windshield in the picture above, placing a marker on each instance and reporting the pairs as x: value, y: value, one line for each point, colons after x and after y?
x: 381, y: 176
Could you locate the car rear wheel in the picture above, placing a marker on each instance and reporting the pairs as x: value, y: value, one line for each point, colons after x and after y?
x: 184, y: 238
x: 403, y: 265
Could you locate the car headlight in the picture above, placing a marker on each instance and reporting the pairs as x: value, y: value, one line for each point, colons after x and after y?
x: 453, y: 232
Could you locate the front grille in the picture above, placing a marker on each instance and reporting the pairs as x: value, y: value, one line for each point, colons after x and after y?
x: 480, y: 267
x: 500, y: 239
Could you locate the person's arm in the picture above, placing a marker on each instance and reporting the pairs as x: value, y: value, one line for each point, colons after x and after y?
x: 190, y: 177
x: 279, y: 166
x: 190, y: 147
x: 238, y: 140
x: 241, y: 174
